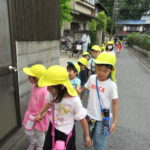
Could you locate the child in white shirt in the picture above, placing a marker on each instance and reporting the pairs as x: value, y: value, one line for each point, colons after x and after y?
x: 102, y: 84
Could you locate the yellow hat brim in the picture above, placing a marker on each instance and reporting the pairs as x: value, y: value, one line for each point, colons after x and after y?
x: 28, y: 72
x: 42, y: 83
x: 98, y: 62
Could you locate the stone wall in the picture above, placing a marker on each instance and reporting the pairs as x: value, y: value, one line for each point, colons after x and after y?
x: 30, y: 53
x: 141, y: 50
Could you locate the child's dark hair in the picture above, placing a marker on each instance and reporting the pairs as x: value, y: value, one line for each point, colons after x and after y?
x: 107, y: 49
x: 80, y: 64
x: 61, y: 92
x: 71, y: 67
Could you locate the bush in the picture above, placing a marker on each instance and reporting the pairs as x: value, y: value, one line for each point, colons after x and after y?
x: 141, y: 40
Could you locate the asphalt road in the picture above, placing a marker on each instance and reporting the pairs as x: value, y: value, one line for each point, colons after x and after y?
x: 133, y: 132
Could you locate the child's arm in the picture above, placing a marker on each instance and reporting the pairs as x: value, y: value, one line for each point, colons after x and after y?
x: 79, y: 89
x: 115, y: 108
x: 43, y: 111
x: 84, y: 125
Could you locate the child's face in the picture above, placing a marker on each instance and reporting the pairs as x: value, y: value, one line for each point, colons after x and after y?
x: 82, y: 67
x: 33, y: 80
x: 94, y: 53
x: 87, y: 57
x: 72, y: 74
x: 102, y: 72
x: 52, y: 90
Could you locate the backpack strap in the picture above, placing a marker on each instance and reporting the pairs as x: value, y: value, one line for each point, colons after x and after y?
x: 53, y: 130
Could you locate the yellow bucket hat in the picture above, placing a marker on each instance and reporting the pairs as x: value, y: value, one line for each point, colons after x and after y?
x: 75, y: 65
x: 110, y: 43
x: 83, y: 61
x: 35, y: 71
x: 96, y: 48
x: 56, y: 75
x: 107, y: 58
x: 85, y: 53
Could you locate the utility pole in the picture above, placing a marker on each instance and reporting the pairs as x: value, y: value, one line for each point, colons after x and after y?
x: 114, y: 16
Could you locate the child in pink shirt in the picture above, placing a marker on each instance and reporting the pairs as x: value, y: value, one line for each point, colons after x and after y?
x: 35, y: 130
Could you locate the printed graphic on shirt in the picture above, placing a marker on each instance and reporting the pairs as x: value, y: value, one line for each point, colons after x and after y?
x: 62, y: 111
x: 100, y: 89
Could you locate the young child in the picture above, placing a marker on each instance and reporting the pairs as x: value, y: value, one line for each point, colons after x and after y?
x: 86, y: 55
x: 83, y: 75
x: 103, y: 95
x: 74, y: 70
x: 110, y: 47
x: 35, y: 130
x: 119, y: 48
x: 67, y: 107
x: 95, y: 51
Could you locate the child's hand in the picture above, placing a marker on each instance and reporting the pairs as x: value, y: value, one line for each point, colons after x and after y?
x: 88, y: 141
x: 38, y: 118
x: 113, y: 128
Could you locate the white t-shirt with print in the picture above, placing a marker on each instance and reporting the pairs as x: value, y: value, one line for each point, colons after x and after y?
x: 68, y: 110
x: 108, y: 91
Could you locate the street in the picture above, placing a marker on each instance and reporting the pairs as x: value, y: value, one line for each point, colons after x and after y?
x: 133, y: 132
x: 133, y: 80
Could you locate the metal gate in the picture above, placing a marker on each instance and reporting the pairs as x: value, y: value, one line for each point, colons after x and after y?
x: 9, y: 103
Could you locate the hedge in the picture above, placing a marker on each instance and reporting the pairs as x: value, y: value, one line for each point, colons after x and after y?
x: 141, y: 40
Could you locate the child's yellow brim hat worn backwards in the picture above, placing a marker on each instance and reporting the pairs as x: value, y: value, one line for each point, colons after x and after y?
x: 56, y: 75
x: 75, y: 65
x: 96, y: 48
x: 83, y: 61
x: 37, y: 70
x: 107, y: 58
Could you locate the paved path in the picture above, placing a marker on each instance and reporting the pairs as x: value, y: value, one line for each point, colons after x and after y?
x: 133, y: 132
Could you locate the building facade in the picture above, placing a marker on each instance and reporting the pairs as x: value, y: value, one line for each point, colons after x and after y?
x: 29, y: 35
x: 126, y: 27
x: 83, y: 11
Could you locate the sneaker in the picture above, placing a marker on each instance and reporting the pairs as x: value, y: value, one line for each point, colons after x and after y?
x: 31, y: 147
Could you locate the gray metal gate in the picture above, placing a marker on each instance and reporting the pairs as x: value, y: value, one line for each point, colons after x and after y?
x: 9, y: 111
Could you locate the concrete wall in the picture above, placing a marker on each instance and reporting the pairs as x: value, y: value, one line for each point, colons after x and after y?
x: 29, y: 53
x: 141, y: 50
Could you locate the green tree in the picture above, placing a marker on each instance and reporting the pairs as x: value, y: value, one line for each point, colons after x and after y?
x: 109, y: 26
x: 133, y: 9
x: 101, y: 20
x: 92, y: 24
x: 65, y: 11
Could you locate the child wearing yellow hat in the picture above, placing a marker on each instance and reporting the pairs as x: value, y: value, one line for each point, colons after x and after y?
x: 74, y: 70
x: 35, y: 131
x: 110, y: 47
x: 84, y: 73
x: 95, y: 51
x: 86, y: 55
x: 103, y: 97
x: 66, y: 106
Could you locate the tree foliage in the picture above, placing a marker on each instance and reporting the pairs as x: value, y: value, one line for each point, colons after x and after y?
x: 133, y: 9
x: 101, y: 21
x: 65, y: 11
x: 92, y: 24
x: 109, y: 26
x: 127, y: 9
